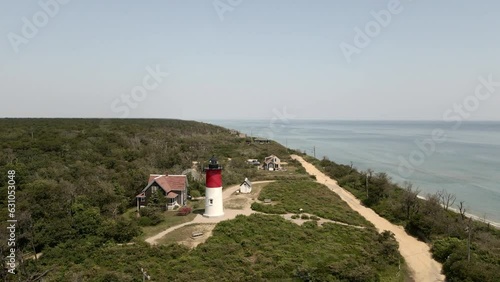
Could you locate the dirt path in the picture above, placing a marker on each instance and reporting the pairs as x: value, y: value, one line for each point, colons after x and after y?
x: 300, y: 221
x: 416, y: 253
x: 200, y: 219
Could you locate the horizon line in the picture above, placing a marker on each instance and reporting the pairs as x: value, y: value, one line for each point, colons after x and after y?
x: 252, y: 119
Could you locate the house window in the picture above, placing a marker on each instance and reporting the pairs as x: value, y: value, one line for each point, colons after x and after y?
x: 143, y: 200
x: 155, y: 188
x: 210, y: 201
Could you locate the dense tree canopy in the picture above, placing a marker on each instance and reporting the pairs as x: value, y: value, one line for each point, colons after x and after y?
x: 75, y: 178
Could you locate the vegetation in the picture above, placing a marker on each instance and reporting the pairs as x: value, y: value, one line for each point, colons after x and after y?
x: 184, y: 211
x: 255, y: 248
x: 308, y: 197
x: 168, y: 219
x: 76, y: 178
x: 429, y: 220
x: 76, y: 182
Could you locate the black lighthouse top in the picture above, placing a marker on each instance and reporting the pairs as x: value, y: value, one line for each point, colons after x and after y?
x: 213, y: 164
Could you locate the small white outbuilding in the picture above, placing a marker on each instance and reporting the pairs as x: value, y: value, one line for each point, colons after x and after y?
x: 246, y: 186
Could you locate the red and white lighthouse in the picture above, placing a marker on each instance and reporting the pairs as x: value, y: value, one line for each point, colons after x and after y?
x: 213, y: 193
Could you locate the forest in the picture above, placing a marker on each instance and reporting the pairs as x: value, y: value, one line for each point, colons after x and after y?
x: 76, y: 178
x: 75, y: 187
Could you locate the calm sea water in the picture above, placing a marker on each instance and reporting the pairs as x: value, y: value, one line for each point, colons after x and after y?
x: 465, y: 162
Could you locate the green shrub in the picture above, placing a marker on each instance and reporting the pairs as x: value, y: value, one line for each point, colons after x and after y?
x: 145, y: 221
x: 304, y: 216
x: 153, y: 216
x: 443, y: 248
x: 272, y: 209
x: 195, y: 193
x: 122, y: 230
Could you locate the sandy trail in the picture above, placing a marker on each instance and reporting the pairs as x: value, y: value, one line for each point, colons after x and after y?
x: 300, y: 221
x: 228, y: 214
x: 416, y: 253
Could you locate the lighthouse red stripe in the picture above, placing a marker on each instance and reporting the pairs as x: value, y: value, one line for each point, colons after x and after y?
x: 214, y: 178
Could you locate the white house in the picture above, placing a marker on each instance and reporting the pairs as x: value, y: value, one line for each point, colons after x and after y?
x: 271, y: 163
x: 246, y: 186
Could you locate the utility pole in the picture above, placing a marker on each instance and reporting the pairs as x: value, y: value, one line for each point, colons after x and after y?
x: 314, y: 151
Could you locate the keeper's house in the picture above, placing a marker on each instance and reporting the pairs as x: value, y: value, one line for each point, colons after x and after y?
x: 172, y: 187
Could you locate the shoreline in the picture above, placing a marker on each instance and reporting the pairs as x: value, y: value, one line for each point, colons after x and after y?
x: 472, y: 216
x: 481, y: 204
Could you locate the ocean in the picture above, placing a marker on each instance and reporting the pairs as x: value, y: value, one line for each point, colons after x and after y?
x: 463, y: 159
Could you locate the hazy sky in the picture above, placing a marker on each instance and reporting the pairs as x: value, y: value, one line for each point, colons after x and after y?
x: 250, y: 59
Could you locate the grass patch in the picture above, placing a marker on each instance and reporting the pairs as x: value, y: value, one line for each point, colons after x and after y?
x: 254, y: 248
x: 264, y: 247
x: 256, y: 188
x: 312, y: 197
x: 184, y: 233
x: 170, y: 218
x: 289, y: 174
x: 235, y: 203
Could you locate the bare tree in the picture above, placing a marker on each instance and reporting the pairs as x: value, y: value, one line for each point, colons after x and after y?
x: 410, y: 199
x: 461, y: 209
x: 446, y: 199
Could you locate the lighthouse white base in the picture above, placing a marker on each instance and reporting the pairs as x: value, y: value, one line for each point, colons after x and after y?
x: 213, y: 202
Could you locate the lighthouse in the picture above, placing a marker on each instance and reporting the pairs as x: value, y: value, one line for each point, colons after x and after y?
x: 213, y: 192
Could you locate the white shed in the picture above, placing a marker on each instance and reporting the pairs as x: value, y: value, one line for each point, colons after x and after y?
x: 246, y: 186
